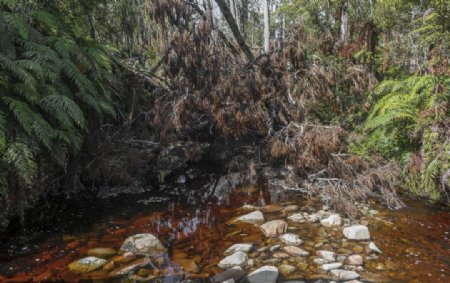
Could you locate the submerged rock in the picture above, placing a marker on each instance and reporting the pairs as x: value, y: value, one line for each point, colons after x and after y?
x: 102, y: 252
x: 252, y: 217
x: 146, y: 244
x: 274, y: 228
x: 374, y: 248
x: 286, y: 269
x: 236, y: 259
x: 331, y: 266
x: 291, y: 208
x: 327, y: 255
x: 357, y: 232
x: 295, y: 251
x: 131, y: 267
x: 87, y: 264
x: 272, y: 208
x: 298, y: 218
x: 332, y: 221
x: 234, y: 273
x: 239, y: 248
x: 345, y: 275
x: 265, y: 274
x: 291, y: 239
x: 354, y: 260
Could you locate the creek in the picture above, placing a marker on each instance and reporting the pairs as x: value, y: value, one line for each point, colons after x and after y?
x: 415, y: 241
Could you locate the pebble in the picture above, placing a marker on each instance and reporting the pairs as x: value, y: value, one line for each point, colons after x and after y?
x: 298, y: 218
x: 345, y: 275
x: 295, y: 251
x: 291, y: 239
x: 355, y: 260
x: 330, y: 266
x: 239, y: 248
x: 274, y: 228
x: 265, y: 274
x: 374, y: 248
x: 333, y: 220
x: 234, y: 273
x: 87, y: 264
x: 327, y: 255
x: 357, y: 232
x: 252, y: 217
x: 236, y: 259
x: 147, y: 244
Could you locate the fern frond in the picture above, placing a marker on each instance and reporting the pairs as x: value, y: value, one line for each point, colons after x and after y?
x: 20, y: 157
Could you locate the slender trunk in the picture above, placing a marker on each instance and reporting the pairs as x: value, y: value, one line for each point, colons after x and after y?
x: 141, y: 24
x: 234, y: 29
x: 344, y: 23
x: 266, y: 26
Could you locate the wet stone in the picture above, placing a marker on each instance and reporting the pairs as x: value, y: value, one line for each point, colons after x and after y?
x: 274, y: 228
x: 239, y: 248
x: 236, y: 259
x: 295, y: 251
x: 265, y: 274
x: 298, y: 217
x: 252, y: 217
x: 327, y: 255
x: 275, y: 248
x: 272, y: 208
x: 345, y: 275
x: 357, y: 232
x: 331, y: 266
x: 87, y: 264
x: 319, y: 261
x: 146, y: 244
x: 333, y: 220
x: 130, y: 267
x: 291, y: 239
x: 374, y: 248
x: 291, y: 208
x: 104, y: 253
x: 354, y: 260
x: 234, y: 273
x: 280, y: 255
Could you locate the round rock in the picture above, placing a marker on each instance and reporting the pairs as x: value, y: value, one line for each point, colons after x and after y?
x: 265, y: 274
x: 274, y: 228
x: 146, y: 244
x: 236, y: 259
x: 357, y: 232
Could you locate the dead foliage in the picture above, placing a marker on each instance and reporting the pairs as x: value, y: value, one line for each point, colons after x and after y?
x: 204, y: 93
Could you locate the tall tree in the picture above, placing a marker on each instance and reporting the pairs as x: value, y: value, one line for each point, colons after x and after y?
x: 235, y: 29
x: 266, y: 25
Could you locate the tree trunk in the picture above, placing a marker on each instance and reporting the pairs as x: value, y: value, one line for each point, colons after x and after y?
x: 235, y: 29
x: 266, y: 26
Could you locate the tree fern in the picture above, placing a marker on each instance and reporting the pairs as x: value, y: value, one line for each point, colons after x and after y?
x: 49, y: 80
x: 406, y: 110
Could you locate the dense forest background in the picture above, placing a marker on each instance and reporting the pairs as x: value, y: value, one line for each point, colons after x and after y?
x: 352, y: 95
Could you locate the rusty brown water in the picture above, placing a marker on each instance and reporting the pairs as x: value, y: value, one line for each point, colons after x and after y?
x: 415, y: 241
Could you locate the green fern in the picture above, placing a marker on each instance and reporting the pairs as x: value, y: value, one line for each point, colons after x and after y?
x: 49, y: 80
x: 397, y: 126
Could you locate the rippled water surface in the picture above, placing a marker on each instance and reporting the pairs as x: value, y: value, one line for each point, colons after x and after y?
x: 415, y: 241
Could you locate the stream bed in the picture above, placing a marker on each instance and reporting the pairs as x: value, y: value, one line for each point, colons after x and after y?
x: 414, y: 242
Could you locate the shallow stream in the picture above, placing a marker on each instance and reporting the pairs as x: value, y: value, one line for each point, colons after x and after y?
x: 415, y: 241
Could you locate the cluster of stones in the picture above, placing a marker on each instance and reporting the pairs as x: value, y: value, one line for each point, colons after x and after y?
x: 136, y: 253
x: 285, y: 256
x: 282, y: 254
